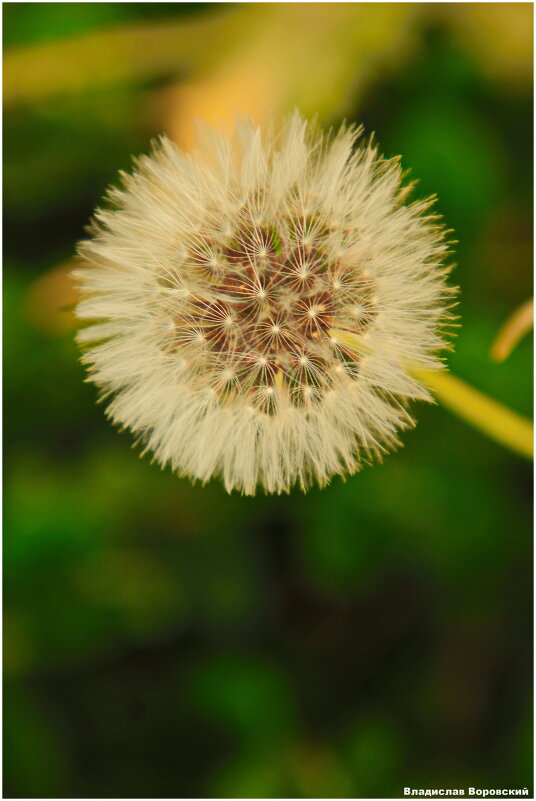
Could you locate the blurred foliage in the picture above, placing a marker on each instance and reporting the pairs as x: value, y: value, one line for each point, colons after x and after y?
x: 169, y: 640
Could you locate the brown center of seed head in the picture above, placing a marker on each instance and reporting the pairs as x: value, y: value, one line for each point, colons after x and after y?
x: 258, y: 316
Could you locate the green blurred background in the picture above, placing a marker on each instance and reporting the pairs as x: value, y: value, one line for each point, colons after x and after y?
x: 169, y: 640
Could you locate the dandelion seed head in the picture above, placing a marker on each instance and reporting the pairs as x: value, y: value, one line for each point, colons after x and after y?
x: 215, y: 286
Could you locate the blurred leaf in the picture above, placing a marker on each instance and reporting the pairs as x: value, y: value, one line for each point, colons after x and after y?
x: 139, y: 51
x: 498, y: 36
x: 248, y: 696
x: 26, y: 23
x: 316, y: 57
x: 461, y: 162
x: 82, y: 142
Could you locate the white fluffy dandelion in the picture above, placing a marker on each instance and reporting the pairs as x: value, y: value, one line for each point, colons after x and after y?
x: 224, y: 288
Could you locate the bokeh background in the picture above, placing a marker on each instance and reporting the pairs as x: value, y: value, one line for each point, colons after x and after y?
x: 169, y: 640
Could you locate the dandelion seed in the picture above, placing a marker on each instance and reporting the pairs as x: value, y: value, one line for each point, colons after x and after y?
x: 263, y: 259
